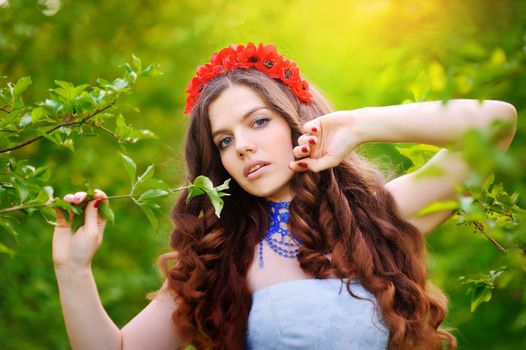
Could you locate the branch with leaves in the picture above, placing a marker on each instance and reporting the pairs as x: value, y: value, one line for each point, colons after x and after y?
x: 68, y: 112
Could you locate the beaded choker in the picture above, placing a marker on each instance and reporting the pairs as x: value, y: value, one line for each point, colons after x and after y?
x: 264, y: 58
x: 278, y: 237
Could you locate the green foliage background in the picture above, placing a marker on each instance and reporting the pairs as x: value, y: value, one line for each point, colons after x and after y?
x: 360, y: 53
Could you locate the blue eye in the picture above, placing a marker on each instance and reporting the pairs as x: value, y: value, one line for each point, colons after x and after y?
x: 261, y: 121
x: 224, y: 142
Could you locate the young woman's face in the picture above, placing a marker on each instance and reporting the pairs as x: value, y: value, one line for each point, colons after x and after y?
x: 254, y: 143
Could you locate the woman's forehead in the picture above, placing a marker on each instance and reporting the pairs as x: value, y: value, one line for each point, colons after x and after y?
x: 234, y: 104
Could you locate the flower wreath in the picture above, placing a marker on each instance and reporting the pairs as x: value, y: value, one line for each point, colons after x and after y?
x: 263, y: 58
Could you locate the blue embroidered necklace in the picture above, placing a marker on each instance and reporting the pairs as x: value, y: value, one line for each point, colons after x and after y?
x: 278, y: 237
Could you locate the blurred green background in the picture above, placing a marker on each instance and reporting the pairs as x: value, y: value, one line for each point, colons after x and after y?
x: 359, y: 52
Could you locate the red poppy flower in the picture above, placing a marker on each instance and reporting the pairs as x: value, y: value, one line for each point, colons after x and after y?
x: 303, y: 92
x: 264, y: 58
x: 290, y: 74
x: 269, y: 61
x: 191, y: 101
x: 249, y: 56
x: 207, y: 72
x: 225, y: 59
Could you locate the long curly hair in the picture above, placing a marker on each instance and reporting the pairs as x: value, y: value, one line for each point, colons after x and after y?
x: 344, y: 211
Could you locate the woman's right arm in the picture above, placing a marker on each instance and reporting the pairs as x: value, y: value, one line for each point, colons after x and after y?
x: 87, y: 323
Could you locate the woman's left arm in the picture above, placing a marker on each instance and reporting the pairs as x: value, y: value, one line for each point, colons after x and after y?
x: 332, y: 137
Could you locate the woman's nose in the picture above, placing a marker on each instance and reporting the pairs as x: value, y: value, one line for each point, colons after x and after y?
x: 244, y: 145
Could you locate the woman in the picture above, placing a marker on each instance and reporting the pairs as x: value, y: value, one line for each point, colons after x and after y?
x: 313, y: 249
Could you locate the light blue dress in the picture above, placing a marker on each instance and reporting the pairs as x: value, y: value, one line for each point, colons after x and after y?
x: 315, y: 314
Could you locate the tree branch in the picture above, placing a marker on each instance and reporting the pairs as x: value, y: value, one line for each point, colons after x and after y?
x: 105, y: 129
x: 480, y: 227
x: 23, y: 144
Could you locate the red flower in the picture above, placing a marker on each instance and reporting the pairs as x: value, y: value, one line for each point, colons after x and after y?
x: 191, y: 101
x: 225, y: 59
x: 264, y: 58
x: 248, y: 57
x: 290, y: 74
x: 303, y: 92
x: 269, y: 61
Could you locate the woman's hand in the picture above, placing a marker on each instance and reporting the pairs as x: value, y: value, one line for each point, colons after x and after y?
x: 326, y: 142
x: 77, y: 249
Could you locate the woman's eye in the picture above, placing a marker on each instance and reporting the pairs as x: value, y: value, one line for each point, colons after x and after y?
x: 261, y: 121
x: 224, y: 142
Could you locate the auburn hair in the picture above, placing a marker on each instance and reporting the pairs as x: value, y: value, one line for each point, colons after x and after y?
x: 344, y: 211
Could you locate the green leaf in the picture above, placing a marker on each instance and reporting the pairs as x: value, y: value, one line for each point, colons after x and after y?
x: 119, y: 84
x: 153, y: 193
x: 65, y: 207
x: 68, y: 91
x: 203, y: 184
x: 126, y: 66
x: 151, y: 70
x: 439, y: 206
x: 21, y: 85
x: 9, y: 119
x: 149, y: 210
x: 38, y: 113
x: 216, y: 201
x: 44, y: 196
x: 8, y: 226
x: 193, y: 192
x: 224, y: 186
x: 78, y: 220
x: 25, y: 120
x: 103, y: 82
x: 106, y: 212
x: 136, y: 63
x: 6, y: 250
x: 52, y: 105
x: 146, y: 175
x: 130, y: 166
x: 21, y: 188
x: 419, y: 154
x: 129, y: 134
x: 480, y: 294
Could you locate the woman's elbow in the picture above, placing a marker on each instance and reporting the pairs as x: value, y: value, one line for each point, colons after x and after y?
x: 506, y: 111
x: 506, y: 114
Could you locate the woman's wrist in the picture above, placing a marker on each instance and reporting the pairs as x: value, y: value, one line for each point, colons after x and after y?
x: 72, y: 270
x: 354, y: 121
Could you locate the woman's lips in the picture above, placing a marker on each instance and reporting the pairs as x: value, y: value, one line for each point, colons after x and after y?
x: 252, y: 164
x: 257, y: 173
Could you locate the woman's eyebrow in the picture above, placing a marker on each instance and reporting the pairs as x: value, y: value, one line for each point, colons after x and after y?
x: 245, y: 116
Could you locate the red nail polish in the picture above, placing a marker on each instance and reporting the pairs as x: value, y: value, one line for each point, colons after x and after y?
x: 304, y: 149
x: 305, y: 165
x: 97, y: 203
x: 311, y: 141
x: 314, y: 129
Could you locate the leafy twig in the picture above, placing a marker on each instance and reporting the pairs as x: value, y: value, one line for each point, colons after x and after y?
x: 480, y: 227
x: 28, y: 142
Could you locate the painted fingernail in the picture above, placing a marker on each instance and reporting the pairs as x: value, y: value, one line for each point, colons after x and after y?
x: 68, y: 197
x: 311, y: 141
x: 304, y: 149
x: 305, y: 165
x: 314, y: 129
x: 97, y: 203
